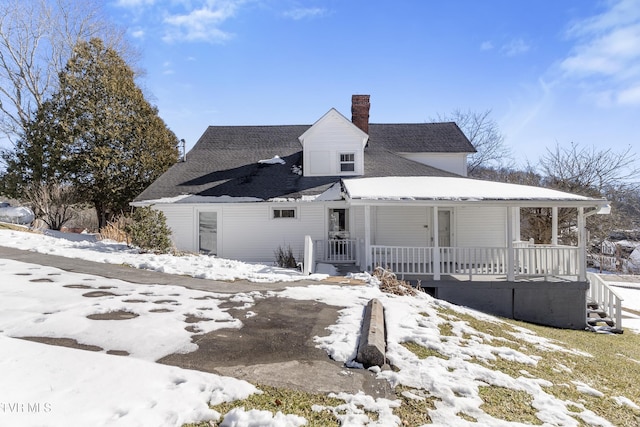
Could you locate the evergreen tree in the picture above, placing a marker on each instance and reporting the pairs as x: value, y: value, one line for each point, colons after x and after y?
x: 98, y: 133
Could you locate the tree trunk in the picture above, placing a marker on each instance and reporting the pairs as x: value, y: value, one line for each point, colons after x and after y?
x: 101, y: 212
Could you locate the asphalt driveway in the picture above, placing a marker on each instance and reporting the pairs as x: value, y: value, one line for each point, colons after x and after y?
x: 275, y: 347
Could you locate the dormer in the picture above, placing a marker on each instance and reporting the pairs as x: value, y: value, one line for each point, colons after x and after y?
x: 333, y: 146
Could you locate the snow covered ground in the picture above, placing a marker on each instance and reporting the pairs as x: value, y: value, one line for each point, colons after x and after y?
x: 85, y: 246
x: 120, y: 385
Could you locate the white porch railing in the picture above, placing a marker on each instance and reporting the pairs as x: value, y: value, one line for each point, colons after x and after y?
x: 547, y: 260
x: 605, y: 297
x: 529, y: 260
x: 473, y: 261
x: 335, y: 250
x: 402, y: 259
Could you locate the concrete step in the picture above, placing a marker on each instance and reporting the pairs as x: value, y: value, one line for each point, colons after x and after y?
x: 345, y: 269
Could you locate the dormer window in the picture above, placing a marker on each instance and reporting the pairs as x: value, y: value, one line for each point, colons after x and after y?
x: 347, y: 162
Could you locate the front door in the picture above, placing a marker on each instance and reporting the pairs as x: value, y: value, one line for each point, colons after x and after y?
x: 444, y: 228
x: 338, y: 223
x: 208, y: 233
x: 339, y: 248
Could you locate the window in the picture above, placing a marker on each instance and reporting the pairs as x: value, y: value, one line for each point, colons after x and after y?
x: 284, y: 213
x: 347, y: 162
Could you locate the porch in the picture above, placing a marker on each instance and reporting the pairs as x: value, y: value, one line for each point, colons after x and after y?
x: 520, y: 261
x: 523, y: 260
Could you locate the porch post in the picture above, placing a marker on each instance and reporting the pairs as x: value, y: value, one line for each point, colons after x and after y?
x: 582, y: 245
x: 511, y: 276
x: 436, y: 245
x: 367, y: 237
x: 554, y: 225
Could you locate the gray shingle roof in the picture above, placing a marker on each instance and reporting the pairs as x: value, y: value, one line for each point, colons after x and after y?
x: 443, y: 137
x: 224, y: 161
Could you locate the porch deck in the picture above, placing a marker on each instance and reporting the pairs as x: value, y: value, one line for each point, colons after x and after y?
x: 521, y: 261
x: 517, y: 262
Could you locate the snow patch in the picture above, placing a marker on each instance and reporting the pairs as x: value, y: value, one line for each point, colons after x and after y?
x: 275, y: 160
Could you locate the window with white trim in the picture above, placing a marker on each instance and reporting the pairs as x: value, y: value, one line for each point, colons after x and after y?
x: 347, y: 162
x: 283, y: 213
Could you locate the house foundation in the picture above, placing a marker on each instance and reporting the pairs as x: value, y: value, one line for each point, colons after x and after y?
x: 556, y: 303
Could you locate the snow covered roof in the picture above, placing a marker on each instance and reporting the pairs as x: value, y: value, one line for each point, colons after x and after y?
x: 458, y: 189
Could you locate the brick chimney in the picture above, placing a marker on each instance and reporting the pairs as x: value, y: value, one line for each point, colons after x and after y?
x: 360, y: 112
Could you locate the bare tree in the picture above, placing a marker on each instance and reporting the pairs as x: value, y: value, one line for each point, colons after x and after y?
x: 36, y: 40
x: 595, y: 172
x: 483, y: 132
x: 53, y: 203
x: 589, y: 171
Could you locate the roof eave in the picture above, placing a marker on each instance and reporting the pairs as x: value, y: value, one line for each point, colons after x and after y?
x: 522, y: 203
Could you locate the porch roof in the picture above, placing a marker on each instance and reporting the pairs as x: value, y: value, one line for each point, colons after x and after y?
x: 459, y: 190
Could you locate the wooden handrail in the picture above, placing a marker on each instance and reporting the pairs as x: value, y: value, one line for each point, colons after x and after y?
x: 603, y: 295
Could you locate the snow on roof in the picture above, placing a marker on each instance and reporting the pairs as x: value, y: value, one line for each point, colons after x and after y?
x: 275, y: 160
x: 333, y: 193
x: 449, y: 188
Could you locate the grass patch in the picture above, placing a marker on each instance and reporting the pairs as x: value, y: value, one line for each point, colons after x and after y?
x: 286, y: 401
x: 414, y: 411
x: 508, y: 405
x: 609, y: 370
x: 446, y: 329
x: 612, y: 370
x: 422, y: 352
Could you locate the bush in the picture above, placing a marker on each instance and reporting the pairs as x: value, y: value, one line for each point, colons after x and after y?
x: 149, y: 231
x: 285, y: 258
x: 116, y: 230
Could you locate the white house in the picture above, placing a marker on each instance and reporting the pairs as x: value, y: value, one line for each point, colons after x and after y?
x: 392, y: 195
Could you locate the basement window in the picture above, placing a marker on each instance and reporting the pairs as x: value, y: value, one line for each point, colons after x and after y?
x: 284, y: 213
x: 347, y: 162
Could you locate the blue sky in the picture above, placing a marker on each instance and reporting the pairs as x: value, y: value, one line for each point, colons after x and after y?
x: 551, y: 71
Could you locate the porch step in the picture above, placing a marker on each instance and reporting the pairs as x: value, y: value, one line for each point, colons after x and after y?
x: 597, y: 316
x: 345, y: 269
x: 591, y: 305
x: 598, y: 320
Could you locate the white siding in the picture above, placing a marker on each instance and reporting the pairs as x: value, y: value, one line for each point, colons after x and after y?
x: 481, y: 226
x: 450, y: 162
x: 250, y: 234
x: 402, y: 226
x: 320, y: 163
x: 357, y: 222
x: 247, y: 231
x: 471, y: 227
x: 180, y: 219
